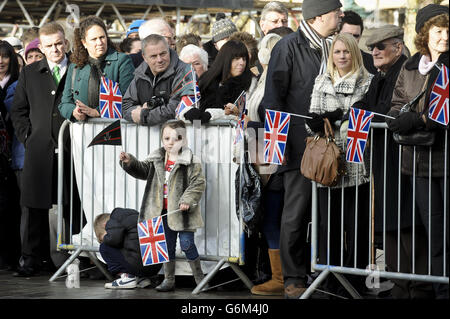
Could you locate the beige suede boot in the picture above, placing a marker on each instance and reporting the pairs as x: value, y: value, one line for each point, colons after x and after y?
x: 275, y: 286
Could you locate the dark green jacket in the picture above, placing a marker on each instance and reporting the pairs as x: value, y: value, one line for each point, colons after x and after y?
x: 118, y: 67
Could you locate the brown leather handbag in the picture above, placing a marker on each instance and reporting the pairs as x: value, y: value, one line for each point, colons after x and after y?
x: 322, y: 160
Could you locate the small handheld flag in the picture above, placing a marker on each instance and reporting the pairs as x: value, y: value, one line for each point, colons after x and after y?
x: 240, y: 103
x: 110, y: 99
x: 152, y: 241
x: 197, y: 95
x: 276, y: 128
x: 186, y: 101
x: 438, y: 107
x: 358, y: 131
x: 111, y: 135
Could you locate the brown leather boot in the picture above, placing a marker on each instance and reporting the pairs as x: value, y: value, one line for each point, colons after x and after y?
x: 275, y: 286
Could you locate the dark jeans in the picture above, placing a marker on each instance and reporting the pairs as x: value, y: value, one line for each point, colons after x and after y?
x: 115, y: 261
x: 187, y: 243
x: 273, y: 207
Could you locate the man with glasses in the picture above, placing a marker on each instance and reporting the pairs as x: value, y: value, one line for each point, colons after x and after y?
x: 273, y: 15
x: 353, y: 24
x: 386, y: 45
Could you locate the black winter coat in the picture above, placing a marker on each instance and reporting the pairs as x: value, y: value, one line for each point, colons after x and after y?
x: 292, y: 69
x: 217, y: 95
x: 37, y: 121
x: 121, y: 233
x: 378, y: 99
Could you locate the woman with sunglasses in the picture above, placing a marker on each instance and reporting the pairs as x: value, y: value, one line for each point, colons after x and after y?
x: 418, y: 75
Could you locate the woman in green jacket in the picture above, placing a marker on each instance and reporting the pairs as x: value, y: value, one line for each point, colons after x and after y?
x: 93, y: 56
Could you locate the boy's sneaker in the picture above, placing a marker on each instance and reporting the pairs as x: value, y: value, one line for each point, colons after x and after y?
x: 143, y: 282
x: 126, y: 281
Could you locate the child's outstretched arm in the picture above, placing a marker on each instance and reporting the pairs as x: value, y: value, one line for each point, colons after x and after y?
x: 137, y: 169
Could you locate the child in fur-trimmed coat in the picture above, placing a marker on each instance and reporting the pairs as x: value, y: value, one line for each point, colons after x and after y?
x: 175, y: 181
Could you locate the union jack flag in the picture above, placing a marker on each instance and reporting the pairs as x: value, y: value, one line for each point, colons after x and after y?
x: 186, y: 100
x: 110, y: 99
x: 152, y: 241
x: 438, y: 110
x: 276, y: 127
x: 358, y: 131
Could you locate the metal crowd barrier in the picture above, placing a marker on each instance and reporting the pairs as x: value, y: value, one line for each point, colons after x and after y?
x: 104, y: 185
x: 372, y: 270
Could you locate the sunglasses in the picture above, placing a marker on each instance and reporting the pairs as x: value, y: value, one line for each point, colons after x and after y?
x: 380, y: 46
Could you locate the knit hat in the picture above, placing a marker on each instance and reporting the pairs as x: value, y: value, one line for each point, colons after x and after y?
x: 33, y: 45
x: 428, y: 12
x: 314, y: 8
x: 134, y: 27
x: 222, y: 28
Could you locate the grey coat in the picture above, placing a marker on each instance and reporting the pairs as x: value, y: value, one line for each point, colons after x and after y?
x: 186, y: 184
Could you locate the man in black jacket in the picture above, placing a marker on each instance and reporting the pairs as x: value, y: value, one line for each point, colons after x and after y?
x: 295, y: 62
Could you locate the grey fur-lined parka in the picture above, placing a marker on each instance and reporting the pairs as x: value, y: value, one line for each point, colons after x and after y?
x: 186, y: 185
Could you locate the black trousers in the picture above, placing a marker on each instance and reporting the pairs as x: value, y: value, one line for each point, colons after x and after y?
x: 435, y: 231
x: 36, y: 238
x: 294, y: 250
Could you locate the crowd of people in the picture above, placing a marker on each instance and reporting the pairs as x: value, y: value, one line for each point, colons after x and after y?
x: 317, y: 70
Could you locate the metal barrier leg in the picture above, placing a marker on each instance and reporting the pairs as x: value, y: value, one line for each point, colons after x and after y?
x: 67, y: 263
x: 241, y: 275
x: 351, y: 290
x: 315, y: 284
x: 100, y: 266
x: 208, y: 277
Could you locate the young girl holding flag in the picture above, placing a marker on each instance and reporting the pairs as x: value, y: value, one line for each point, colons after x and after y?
x: 175, y: 184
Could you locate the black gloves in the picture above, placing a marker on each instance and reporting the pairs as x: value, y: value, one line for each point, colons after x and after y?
x: 405, y: 122
x: 316, y: 123
x: 196, y: 114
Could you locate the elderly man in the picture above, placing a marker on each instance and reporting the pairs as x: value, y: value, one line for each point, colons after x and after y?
x: 158, y: 84
x: 192, y: 54
x: 273, y: 15
x: 153, y: 26
x: 295, y: 62
x: 37, y: 121
x: 386, y: 45
x: 352, y: 23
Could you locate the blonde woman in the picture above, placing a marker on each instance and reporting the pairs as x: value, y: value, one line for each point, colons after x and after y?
x: 345, y: 82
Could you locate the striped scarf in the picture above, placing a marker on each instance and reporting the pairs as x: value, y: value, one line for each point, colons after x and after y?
x: 318, y: 43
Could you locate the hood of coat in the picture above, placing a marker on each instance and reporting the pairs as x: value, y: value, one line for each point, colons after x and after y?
x: 140, y: 71
x: 186, y: 157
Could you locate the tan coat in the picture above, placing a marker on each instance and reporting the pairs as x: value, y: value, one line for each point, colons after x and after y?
x: 186, y: 184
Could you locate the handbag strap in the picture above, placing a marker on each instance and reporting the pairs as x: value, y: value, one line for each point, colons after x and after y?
x: 329, y: 133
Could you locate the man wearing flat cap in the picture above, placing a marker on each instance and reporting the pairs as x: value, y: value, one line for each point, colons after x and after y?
x: 386, y: 45
x: 295, y: 62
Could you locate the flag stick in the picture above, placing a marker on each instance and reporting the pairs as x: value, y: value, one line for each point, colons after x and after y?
x: 176, y: 211
x: 292, y: 114
x: 384, y: 115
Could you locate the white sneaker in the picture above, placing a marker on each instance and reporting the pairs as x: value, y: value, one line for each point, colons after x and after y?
x: 126, y: 281
x: 143, y: 282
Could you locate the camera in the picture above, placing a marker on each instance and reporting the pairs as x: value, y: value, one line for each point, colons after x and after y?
x: 155, y: 101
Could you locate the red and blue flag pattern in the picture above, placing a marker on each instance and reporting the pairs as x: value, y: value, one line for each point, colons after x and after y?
x: 240, y: 104
x: 152, y: 241
x: 110, y: 99
x: 358, y: 131
x: 276, y: 128
x: 438, y: 107
x: 186, y: 100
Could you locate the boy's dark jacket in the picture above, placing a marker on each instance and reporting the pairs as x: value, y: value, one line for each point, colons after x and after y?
x: 121, y: 233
